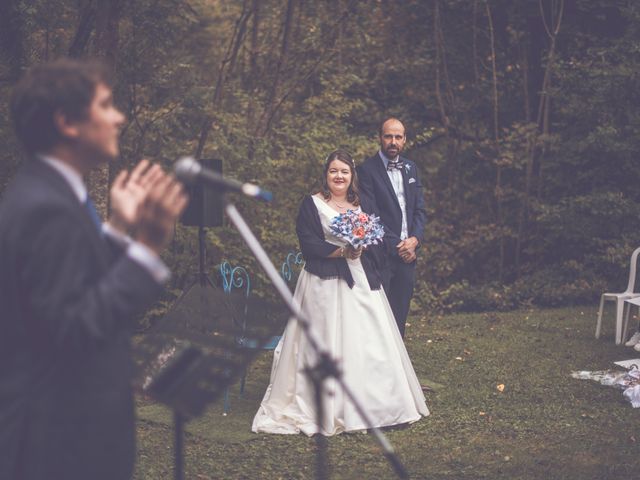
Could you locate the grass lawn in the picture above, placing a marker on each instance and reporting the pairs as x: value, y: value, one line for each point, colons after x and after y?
x: 543, y: 425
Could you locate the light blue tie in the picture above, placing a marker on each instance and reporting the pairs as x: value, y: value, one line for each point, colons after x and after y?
x: 93, y: 213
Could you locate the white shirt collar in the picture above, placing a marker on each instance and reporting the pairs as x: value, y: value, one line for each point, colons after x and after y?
x: 71, y: 176
x: 386, y: 159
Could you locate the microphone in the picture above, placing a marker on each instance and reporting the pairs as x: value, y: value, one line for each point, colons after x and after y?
x: 188, y: 170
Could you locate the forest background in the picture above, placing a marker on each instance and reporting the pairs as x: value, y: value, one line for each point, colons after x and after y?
x: 522, y: 117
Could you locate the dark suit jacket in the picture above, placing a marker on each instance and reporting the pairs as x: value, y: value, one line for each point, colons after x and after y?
x: 374, y: 183
x: 66, y: 301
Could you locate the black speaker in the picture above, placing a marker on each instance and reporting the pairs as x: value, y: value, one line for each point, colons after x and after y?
x: 205, y: 204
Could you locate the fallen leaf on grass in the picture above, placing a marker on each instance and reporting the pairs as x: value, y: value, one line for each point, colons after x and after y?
x: 458, y: 358
x: 500, y: 387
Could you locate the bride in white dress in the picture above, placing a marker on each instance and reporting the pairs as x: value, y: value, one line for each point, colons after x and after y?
x: 339, y: 290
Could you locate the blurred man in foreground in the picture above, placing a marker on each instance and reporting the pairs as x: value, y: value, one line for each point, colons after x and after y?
x: 70, y: 285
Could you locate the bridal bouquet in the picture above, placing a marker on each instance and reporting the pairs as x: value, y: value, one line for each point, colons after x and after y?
x: 357, y: 228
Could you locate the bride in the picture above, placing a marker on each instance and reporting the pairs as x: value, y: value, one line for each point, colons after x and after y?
x: 340, y: 292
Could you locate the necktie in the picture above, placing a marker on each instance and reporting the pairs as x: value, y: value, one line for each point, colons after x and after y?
x: 93, y: 213
x: 397, y: 165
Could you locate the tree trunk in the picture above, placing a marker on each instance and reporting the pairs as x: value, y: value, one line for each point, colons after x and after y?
x: 272, y: 98
x: 86, y: 23
x: 12, y: 38
x: 253, y: 64
x: 438, y: 79
x: 225, y: 68
x: 524, y: 207
x: 545, y: 99
x: 542, y: 122
x: 496, y: 140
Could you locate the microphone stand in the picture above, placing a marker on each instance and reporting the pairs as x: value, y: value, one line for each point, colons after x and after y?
x: 325, y: 367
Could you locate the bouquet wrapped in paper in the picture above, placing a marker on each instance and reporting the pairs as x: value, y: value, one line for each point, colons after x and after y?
x: 358, y: 228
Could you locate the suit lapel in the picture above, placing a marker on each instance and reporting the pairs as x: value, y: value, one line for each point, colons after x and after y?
x: 382, y: 173
x: 405, y: 184
x: 53, y: 178
x: 409, y: 194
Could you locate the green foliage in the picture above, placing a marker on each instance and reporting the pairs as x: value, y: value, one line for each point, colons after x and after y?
x: 587, y: 226
x: 512, y: 212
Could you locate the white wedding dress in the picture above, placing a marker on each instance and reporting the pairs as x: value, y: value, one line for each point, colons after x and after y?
x: 357, y: 327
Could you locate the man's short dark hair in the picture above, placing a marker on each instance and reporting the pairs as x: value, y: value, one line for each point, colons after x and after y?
x: 66, y: 86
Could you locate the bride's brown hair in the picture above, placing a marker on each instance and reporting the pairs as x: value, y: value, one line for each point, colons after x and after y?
x: 352, y: 192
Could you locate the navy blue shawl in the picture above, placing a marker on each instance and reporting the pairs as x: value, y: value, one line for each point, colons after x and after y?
x: 316, y: 250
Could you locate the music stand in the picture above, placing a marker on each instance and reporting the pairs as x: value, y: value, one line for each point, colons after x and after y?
x: 192, y: 355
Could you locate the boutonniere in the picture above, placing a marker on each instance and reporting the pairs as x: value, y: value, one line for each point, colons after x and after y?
x: 407, y: 167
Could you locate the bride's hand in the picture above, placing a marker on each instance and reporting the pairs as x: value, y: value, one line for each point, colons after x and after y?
x: 353, y: 253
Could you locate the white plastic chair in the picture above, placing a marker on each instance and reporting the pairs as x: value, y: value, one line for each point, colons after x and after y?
x: 619, y: 298
x: 628, y: 305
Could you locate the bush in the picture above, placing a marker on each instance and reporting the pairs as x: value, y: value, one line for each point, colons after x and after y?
x: 566, y: 284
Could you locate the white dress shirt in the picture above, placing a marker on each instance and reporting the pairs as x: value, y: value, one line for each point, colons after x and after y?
x: 395, y: 176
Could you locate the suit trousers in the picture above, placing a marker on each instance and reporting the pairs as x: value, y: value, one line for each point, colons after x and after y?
x: 398, y: 284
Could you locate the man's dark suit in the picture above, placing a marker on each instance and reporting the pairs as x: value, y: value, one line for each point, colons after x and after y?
x: 374, y: 182
x: 67, y: 297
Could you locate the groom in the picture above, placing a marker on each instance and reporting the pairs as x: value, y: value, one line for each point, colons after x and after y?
x: 392, y: 182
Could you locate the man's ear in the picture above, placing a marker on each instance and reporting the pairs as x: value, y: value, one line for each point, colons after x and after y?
x: 66, y: 128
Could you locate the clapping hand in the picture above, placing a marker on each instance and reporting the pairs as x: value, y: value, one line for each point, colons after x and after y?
x: 147, y: 202
x: 128, y: 193
x: 163, y: 205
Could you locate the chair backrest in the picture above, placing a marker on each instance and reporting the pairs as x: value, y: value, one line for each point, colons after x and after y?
x: 290, y: 261
x: 235, y: 277
x: 632, y: 271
